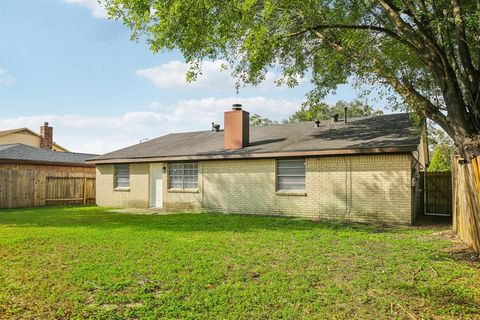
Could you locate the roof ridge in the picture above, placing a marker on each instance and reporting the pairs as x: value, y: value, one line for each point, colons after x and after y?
x: 377, y: 131
x: 10, y: 131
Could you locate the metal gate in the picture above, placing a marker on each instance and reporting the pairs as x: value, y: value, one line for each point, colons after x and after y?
x: 438, y: 193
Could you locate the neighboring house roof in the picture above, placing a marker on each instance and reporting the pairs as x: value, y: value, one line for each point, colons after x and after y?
x: 11, y: 131
x: 27, y: 154
x: 377, y: 134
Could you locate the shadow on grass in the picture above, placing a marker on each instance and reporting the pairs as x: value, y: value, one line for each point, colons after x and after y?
x: 101, y: 218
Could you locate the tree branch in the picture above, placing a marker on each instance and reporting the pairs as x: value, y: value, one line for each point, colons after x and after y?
x: 464, y: 52
x: 383, y: 30
x: 411, y: 95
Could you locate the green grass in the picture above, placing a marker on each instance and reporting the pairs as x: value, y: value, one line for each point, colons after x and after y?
x: 87, y: 262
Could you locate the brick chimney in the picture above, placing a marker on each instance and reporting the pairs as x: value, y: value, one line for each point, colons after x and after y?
x: 46, y: 137
x: 237, y: 128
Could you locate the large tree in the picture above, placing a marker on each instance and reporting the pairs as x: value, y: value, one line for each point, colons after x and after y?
x: 427, y: 51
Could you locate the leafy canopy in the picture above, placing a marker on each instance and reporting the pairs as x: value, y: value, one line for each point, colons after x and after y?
x: 257, y: 120
x: 427, y: 51
x: 441, y: 147
x: 440, y: 160
x: 323, y: 111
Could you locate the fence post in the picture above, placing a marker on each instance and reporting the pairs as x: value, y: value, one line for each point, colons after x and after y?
x: 454, y: 193
x: 85, y: 190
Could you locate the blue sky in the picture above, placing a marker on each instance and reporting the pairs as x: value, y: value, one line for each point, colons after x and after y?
x: 62, y: 61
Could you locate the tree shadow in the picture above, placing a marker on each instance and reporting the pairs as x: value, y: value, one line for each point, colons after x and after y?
x: 385, y: 131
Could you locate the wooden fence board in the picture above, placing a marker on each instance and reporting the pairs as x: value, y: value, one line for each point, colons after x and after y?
x: 68, y: 190
x: 467, y: 202
x: 31, y: 186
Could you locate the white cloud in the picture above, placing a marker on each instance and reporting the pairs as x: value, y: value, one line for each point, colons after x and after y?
x: 95, y: 134
x: 96, y: 7
x: 6, y: 77
x: 171, y: 75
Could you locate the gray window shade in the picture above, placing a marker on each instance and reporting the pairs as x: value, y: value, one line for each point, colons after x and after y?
x: 291, y: 175
x: 183, y: 175
x: 122, y: 176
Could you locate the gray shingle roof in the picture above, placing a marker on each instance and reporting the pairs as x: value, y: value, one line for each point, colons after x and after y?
x: 21, y: 152
x: 385, y: 131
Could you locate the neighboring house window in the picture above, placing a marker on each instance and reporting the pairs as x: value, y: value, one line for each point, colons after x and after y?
x: 122, y: 176
x: 183, y: 175
x: 291, y: 175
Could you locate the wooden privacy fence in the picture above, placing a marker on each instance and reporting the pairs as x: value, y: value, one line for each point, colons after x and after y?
x: 32, y: 188
x: 466, y: 201
x: 70, y: 190
x: 438, y: 193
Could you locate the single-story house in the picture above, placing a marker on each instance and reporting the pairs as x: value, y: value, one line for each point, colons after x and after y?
x: 360, y: 169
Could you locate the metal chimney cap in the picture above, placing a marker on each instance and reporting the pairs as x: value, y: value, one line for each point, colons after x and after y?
x: 45, y: 124
x: 237, y: 106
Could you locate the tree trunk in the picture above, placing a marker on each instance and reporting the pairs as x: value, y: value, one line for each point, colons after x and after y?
x: 469, y: 146
x: 460, y: 125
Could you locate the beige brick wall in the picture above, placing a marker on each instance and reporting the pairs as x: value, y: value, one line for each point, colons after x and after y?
x: 138, y: 194
x: 358, y: 188
x: 372, y: 188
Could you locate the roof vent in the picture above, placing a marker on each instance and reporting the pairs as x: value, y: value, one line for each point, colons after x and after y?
x: 215, y: 127
x: 317, y: 123
x: 335, y: 117
x: 237, y: 107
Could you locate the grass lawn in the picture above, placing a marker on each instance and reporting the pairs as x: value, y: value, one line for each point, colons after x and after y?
x: 78, y: 262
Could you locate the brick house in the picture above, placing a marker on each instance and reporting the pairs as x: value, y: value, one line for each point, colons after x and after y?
x: 363, y: 169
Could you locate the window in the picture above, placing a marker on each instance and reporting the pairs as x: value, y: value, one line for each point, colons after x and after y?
x: 122, y: 176
x: 183, y: 175
x: 291, y: 175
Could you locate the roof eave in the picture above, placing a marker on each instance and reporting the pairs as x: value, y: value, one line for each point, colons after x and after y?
x: 50, y: 163
x: 332, y: 152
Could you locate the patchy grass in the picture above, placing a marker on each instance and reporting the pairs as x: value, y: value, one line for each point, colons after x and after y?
x: 86, y: 262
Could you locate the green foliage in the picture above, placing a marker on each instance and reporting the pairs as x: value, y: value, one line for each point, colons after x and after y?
x: 437, y: 137
x: 440, y: 160
x: 257, y: 121
x: 441, y: 148
x: 323, y: 111
x: 427, y: 52
x: 91, y: 263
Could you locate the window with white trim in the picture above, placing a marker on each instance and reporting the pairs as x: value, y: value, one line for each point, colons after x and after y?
x: 183, y: 175
x: 122, y: 176
x: 291, y: 175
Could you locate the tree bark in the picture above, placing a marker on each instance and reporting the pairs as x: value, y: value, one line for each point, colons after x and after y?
x: 469, y: 146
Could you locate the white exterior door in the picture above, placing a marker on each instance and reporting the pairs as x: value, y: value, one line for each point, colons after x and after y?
x: 156, y: 185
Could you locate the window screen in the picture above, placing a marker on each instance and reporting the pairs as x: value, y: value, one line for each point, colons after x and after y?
x: 183, y: 175
x: 122, y: 176
x: 291, y: 175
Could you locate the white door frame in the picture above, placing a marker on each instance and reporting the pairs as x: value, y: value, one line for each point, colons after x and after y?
x: 156, y: 185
